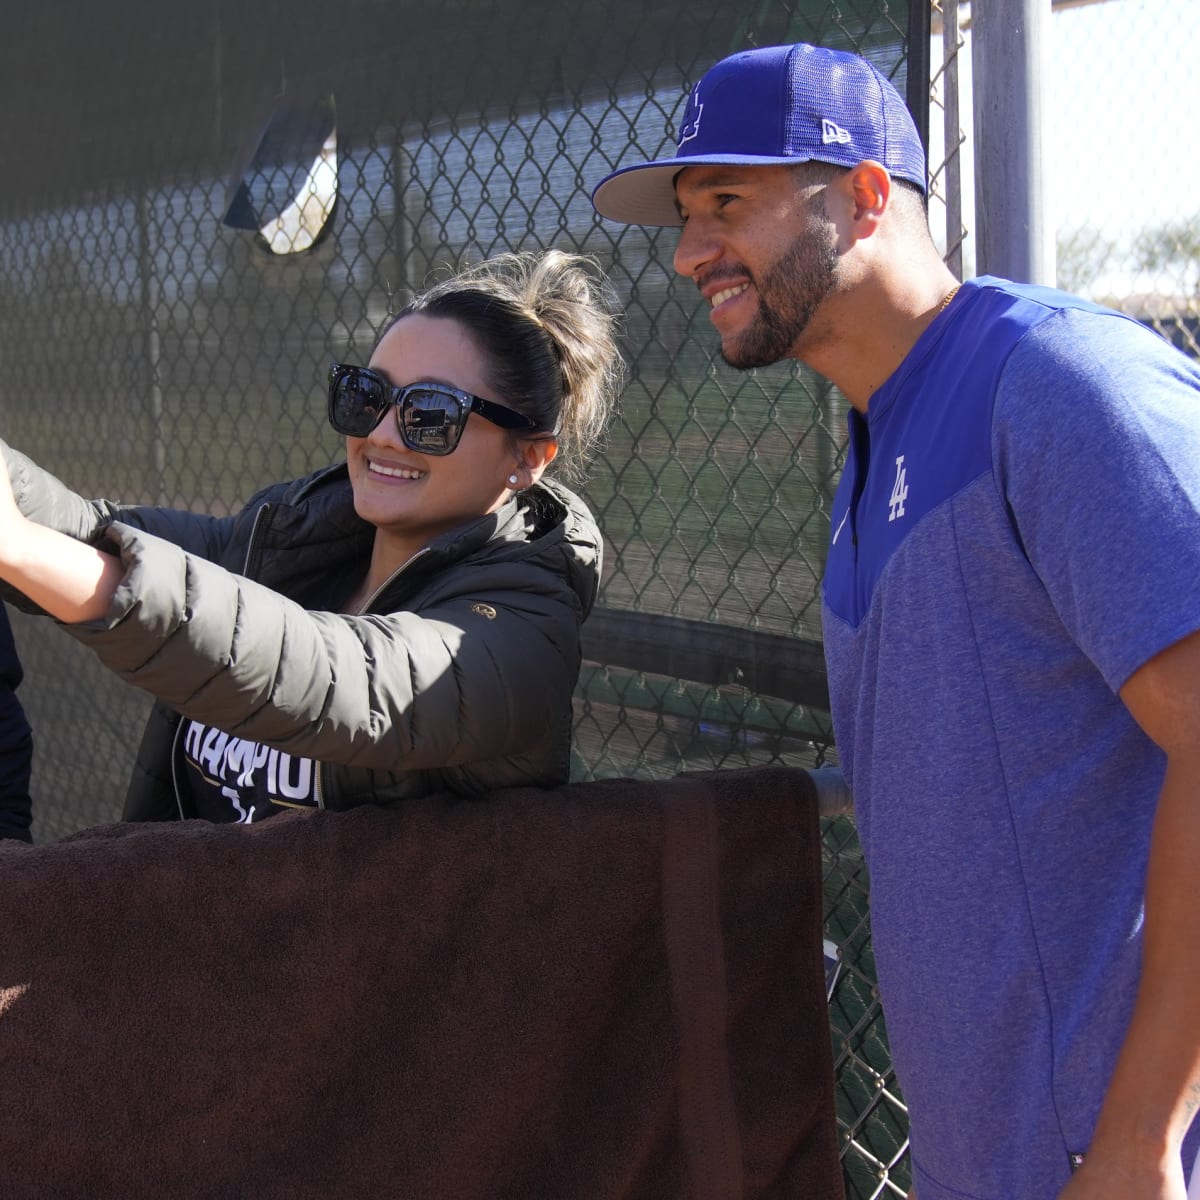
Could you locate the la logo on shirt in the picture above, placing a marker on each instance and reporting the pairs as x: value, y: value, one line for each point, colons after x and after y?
x: 899, y: 491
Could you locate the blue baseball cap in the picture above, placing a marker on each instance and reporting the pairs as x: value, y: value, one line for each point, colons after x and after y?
x: 772, y: 106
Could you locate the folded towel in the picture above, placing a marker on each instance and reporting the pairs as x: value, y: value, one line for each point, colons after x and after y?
x: 609, y: 990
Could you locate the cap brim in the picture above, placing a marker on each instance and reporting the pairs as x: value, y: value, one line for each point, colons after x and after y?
x: 645, y: 194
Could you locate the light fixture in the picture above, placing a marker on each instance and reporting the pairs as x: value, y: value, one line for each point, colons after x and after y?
x: 284, y: 186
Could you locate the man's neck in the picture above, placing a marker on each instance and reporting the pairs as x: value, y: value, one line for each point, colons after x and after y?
x: 868, y: 331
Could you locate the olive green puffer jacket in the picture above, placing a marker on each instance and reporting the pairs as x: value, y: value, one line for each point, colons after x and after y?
x: 459, y: 676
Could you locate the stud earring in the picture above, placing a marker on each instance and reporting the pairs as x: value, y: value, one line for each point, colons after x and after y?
x: 512, y: 479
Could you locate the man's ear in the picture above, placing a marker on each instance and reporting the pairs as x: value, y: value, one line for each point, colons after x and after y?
x: 870, y: 188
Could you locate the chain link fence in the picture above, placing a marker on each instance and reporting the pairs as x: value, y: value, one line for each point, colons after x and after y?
x: 1123, y: 83
x: 162, y: 345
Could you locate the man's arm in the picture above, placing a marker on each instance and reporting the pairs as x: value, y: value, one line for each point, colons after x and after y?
x: 1155, y: 1087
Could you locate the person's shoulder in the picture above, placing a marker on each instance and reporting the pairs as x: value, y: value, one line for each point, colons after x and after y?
x: 564, y: 506
x: 1060, y: 345
x: 999, y: 308
x: 1099, y: 377
x: 1098, y: 347
x: 549, y: 541
x: 1057, y: 316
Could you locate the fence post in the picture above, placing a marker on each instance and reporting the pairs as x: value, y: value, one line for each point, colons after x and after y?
x: 1014, y: 235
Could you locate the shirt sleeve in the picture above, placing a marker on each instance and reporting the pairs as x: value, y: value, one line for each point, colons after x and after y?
x: 1096, y: 442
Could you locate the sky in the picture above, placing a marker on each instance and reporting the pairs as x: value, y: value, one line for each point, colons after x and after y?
x: 1121, y: 132
x: 1125, y: 91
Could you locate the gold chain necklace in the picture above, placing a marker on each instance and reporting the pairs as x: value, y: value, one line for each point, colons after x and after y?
x: 945, y: 304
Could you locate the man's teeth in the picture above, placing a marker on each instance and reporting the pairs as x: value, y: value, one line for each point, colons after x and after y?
x: 396, y: 472
x: 728, y: 294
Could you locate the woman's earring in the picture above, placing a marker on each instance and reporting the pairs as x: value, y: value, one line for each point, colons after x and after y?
x: 513, y: 480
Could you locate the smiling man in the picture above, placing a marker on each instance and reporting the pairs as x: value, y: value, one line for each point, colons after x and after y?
x: 1012, y: 629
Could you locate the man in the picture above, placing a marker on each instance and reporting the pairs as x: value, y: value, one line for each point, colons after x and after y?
x: 1012, y: 607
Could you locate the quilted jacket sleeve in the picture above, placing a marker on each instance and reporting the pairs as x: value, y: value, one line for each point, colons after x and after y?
x: 44, y: 498
x: 471, y: 676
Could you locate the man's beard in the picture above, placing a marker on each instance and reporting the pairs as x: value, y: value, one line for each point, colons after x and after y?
x: 789, y: 292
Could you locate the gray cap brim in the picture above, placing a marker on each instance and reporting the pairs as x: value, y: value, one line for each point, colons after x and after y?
x: 644, y: 194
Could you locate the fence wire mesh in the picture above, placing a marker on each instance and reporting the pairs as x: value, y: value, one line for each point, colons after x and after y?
x: 1123, y: 71
x: 162, y: 345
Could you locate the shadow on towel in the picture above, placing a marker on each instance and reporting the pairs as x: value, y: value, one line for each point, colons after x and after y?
x: 605, y: 991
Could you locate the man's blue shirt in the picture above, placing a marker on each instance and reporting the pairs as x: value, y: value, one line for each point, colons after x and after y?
x: 1017, y: 530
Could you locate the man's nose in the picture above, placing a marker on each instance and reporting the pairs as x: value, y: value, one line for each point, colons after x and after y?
x: 695, y: 249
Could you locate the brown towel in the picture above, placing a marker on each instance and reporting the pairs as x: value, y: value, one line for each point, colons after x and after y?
x: 605, y: 991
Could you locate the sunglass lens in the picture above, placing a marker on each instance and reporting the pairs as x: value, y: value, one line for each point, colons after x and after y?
x: 431, y: 421
x: 359, y: 401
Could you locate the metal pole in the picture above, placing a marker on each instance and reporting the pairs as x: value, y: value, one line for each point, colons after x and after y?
x: 1014, y: 236
x: 147, y: 268
x: 917, y: 55
x: 952, y: 137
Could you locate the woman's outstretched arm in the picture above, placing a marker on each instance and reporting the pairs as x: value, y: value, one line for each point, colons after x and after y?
x: 70, y: 580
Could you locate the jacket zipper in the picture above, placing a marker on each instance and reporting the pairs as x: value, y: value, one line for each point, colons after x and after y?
x: 175, y: 767
x: 259, y: 518
x: 366, y: 604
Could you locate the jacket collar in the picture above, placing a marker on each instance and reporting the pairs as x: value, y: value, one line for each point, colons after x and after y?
x: 312, y: 531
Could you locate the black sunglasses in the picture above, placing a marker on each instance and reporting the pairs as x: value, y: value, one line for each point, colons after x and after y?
x: 431, y: 416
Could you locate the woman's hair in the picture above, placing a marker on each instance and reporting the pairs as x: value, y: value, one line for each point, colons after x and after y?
x: 546, y: 326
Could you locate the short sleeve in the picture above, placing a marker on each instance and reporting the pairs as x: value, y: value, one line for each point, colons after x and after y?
x: 1096, y: 444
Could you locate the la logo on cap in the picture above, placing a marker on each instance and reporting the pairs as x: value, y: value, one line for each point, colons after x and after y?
x: 833, y: 133
x: 691, y: 124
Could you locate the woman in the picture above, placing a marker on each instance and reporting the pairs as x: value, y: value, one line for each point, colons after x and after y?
x: 405, y: 622
x: 16, y: 743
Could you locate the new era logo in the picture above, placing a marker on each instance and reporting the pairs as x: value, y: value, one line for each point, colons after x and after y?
x: 833, y: 133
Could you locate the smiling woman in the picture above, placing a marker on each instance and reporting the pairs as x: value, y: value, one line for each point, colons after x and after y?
x: 448, y: 454
x: 404, y: 622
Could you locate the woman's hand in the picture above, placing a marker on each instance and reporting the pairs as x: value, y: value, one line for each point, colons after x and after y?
x: 70, y: 580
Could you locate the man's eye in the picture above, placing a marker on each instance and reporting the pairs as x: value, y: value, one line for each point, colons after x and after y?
x: 724, y: 198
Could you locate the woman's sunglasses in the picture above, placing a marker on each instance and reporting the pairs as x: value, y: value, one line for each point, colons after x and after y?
x: 431, y: 416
